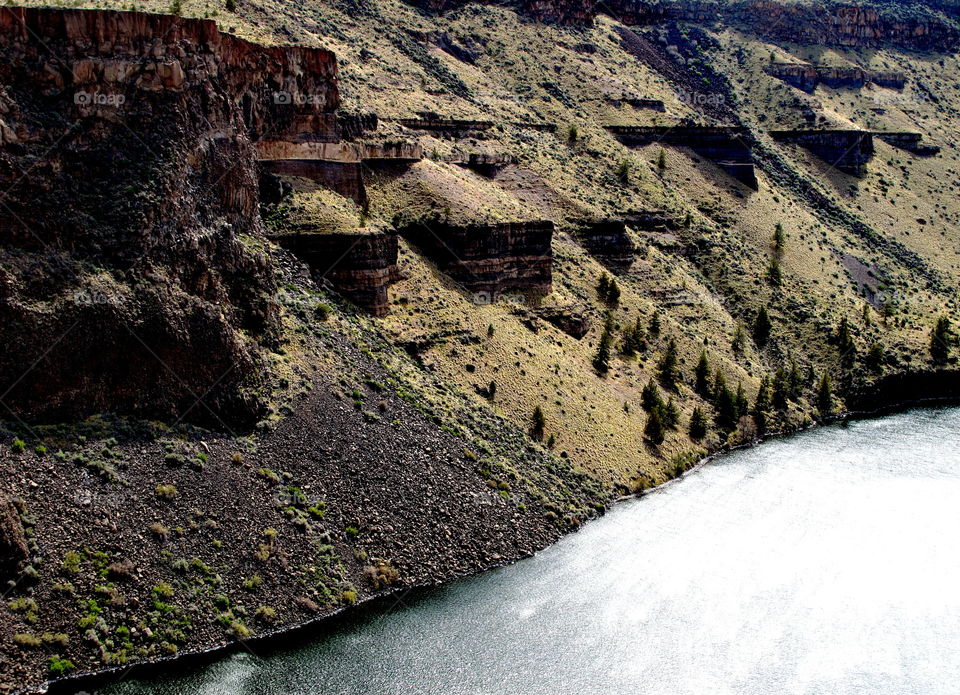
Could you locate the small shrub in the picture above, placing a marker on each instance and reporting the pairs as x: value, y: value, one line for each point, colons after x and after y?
x: 27, y: 641
x: 166, y: 492
x: 269, y: 476
x: 348, y: 597
x: 59, y: 667
x: 71, y: 562
x: 18, y: 446
x: 253, y: 583
x: 265, y: 614
x: 163, y: 591
x: 160, y: 532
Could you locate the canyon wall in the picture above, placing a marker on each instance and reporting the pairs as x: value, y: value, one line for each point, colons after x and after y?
x: 361, y: 266
x: 727, y: 146
x: 128, y: 281
x: 489, y: 259
x: 831, y: 23
x: 806, y: 77
x: 846, y: 150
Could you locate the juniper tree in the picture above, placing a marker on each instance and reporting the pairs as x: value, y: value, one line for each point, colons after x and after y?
x: 702, y: 375
x: 825, y: 395
x: 667, y: 369
x: 940, y: 340
x: 655, y: 428
x: 698, y: 425
x: 538, y: 423
x: 762, y: 328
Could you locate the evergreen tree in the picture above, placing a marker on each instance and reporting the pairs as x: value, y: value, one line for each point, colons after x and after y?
x: 655, y: 428
x: 603, y: 286
x: 794, y: 382
x: 702, y: 375
x: 613, y: 293
x: 779, y: 239
x: 650, y: 398
x: 231, y: 5
x: 875, y: 358
x: 848, y: 349
x: 726, y: 405
x: 671, y: 415
x: 774, y: 273
x: 667, y: 368
x: 537, y: 424
x: 762, y: 405
x: 698, y: 425
x: 662, y: 160
x: 654, y: 329
x: 780, y: 389
x: 739, y: 340
x: 492, y: 390
x: 632, y: 339
x: 741, y: 403
x: 762, y: 328
x: 940, y: 340
x: 825, y: 395
x: 601, y: 361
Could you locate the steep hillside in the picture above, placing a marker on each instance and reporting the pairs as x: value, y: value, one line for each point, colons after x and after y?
x: 433, y: 286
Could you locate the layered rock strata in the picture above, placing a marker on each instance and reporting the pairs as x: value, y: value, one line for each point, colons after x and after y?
x: 727, y: 146
x: 490, y: 259
x: 137, y: 132
x: 848, y: 151
x: 360, y: 266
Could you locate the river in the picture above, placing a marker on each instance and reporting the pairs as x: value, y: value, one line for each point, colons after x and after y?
x: 825, y: 562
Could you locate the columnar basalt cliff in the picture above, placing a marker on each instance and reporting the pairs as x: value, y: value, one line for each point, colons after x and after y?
x: 152, y: 118
x: 361, y: 266
x: 806, y: 77
x: 450, y: 127
x: 846, y: 150
x: 490, y: 258
x: 911, y: 142
x: 727, y: 146
x: 608, y: 241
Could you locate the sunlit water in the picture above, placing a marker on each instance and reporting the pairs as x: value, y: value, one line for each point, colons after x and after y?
x: 827, y: 562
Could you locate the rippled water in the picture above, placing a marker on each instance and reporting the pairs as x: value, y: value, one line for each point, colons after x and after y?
x: 827, y: 562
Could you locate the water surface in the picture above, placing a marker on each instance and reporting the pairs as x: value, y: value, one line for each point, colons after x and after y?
x: 827, y: 562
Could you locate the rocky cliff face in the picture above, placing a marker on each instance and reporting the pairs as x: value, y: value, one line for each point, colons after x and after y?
x: 727, y: 147
x: 846, y: 150
x: 131, y: 185
x: 806, y: 77
x: 490, y: 259
x: 833, y: 24
x: 609, y: 242
x: 360, y: 266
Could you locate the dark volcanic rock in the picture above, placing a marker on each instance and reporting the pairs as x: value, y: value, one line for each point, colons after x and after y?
x: 360, y: 266
x: 489, y: 259
x: 13, y: 544
x: 847, y: 150
x: 128, y: 283
x: 727, y: 146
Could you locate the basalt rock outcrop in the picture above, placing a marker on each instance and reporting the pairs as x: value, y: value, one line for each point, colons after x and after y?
x: 846, y: 150
x: 360, y: 266
x: 831, y: 23
x: 14, y: 552
x: 608, y: 241
x: 450, y: 127
x: 727, y: 146
x: 806, y: 77
x: 489, y: 259
x: 911, y: 142
x: 127, y: 282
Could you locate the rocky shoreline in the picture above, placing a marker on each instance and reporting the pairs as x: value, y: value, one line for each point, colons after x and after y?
x: 278, y: 638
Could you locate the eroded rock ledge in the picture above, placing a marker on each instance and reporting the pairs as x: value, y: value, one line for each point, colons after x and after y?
x: 126, y: 254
